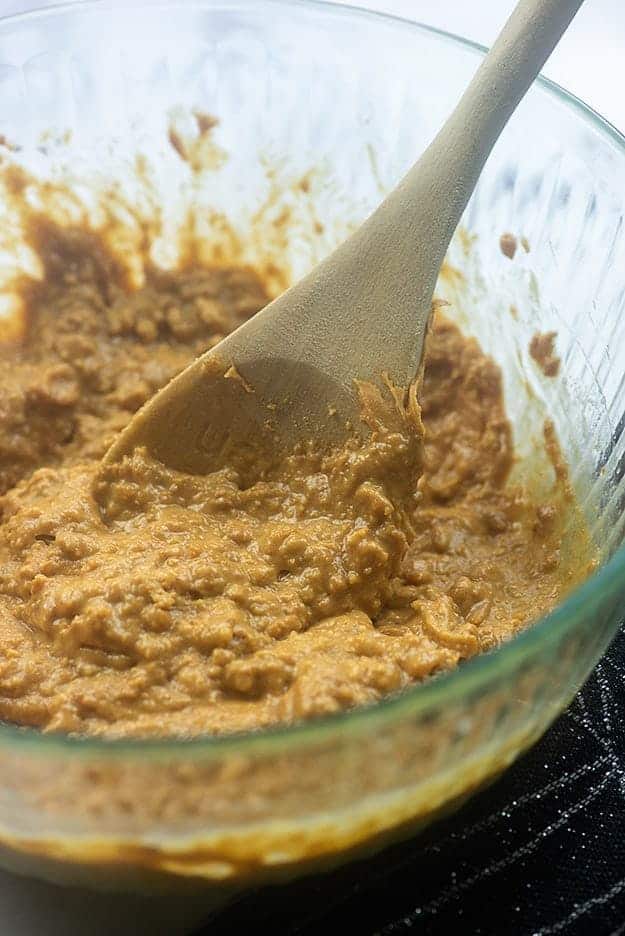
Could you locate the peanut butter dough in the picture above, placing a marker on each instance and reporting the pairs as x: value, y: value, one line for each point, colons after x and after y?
x: 206, y: 605
x: 543, y: 350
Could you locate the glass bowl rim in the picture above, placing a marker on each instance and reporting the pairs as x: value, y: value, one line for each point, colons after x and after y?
x: 446, y: 688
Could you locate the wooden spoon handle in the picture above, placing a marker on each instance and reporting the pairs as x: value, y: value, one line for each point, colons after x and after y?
x: 468, y: 136
x: 375, y: 291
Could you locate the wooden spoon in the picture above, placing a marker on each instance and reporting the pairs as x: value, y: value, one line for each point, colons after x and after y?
x: 364, y: 310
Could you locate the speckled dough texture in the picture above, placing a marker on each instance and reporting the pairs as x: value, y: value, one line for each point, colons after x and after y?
x: 205, y: 604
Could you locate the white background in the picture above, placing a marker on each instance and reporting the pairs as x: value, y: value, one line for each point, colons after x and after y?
x: 589, y: 62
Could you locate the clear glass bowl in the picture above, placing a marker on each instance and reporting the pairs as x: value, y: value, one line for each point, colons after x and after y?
x: 357, y: 96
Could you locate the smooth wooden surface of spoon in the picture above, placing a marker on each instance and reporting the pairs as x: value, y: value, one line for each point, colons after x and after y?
x: 364, y: 310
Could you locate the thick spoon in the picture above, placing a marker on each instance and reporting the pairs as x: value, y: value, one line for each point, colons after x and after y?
x: 364, y: 310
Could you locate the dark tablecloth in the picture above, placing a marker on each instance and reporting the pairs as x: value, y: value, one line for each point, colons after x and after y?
x: 540, y: 852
